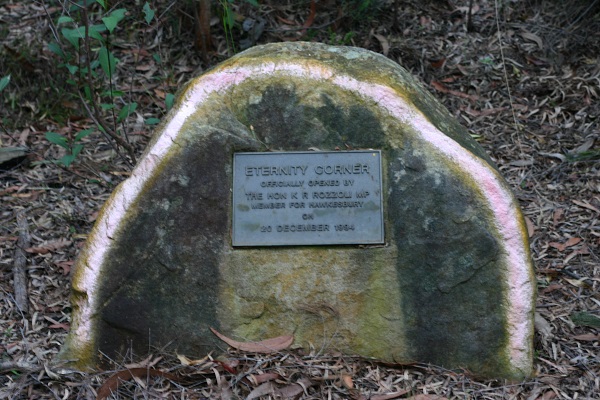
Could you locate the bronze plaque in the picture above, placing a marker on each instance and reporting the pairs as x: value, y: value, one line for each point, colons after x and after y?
x: 307, y: 198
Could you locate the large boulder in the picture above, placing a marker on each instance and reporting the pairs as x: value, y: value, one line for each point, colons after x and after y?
x: 452, y: 283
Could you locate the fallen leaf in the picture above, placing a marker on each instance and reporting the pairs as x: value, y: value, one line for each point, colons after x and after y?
x: 385, y: 45
x: 562, y: 246
x: 93, y: 216
x: 448, y: 79
x: 561, y: 157
x: 49, y: 246
x: 66, y: 327
x: 263, y: 390
x: 535, y: 61
x: 140, y: 52
x: 347, y: 381
x: 586, y: 205
x: 572, y: 241
x: 521, y: 163
x: 311, y: 15
x: 552, y: 288
x: 543, y: 326
x: 112, y: 383
x: 426, y: 397
x: 144, y: 67
x: 188, y: 362
x: 65, y: 266
x: 8, y: 238
x: 530, y: 227
x: 558, y: 246
x: 441, y: 88
x: 227, y: 393
x: 557, y: 215
x: 294, y: 389
x: 485, y: 112
x: 264, y: 346
x: 388, y: 396
x: 532, y: 37
x: 438, y: 63
x: 585, y: 319
x: 583, y: 250
x: 9, y: 189
x: 184, y: 360
x: 24, y: 136
x: 266, y: 377
x: 28, y: 195
x: 227, y: 365
x: 146, y: 363
x: 587, y: 337
x: 549, y: 395
x: 465, y: 10
x: 286, y: 21
x: 577, y: 282
x: 584, y: 147
x: 140, y: 383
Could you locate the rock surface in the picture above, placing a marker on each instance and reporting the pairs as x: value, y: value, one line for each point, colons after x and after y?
x: 453, y: 285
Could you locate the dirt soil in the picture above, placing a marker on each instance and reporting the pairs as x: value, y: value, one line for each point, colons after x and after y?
x: 523, y: 76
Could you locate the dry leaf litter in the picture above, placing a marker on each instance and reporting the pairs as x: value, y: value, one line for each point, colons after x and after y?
x: 524, y: 77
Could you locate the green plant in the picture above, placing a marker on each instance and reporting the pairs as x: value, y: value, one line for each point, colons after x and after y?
x: 4, y: 82
x: 73, y: 147
x: 228, y: 20
x: 337, y: 40
x: 9, y: 332
x: 84, y: 35
x: 361, y: 10
x: 487, y: 60
x: 586, y: 155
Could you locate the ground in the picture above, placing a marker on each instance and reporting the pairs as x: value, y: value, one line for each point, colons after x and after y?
x: 524, y: 77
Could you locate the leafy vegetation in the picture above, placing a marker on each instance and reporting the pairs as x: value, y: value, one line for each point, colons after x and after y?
x: 550, y: 160
x: 84, y: 44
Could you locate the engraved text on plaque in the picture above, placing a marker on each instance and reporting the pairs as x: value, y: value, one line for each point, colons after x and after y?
x: 307, y: 198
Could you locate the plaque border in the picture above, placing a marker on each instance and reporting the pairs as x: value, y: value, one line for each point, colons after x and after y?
x: 365, y: 243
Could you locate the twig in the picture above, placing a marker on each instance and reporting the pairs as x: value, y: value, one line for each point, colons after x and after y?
x: 111, y: 135
x: 19, y: 275
x: 65, y: 169
x: 51, y: 24
x: 203, y: 37
x: 96, y: 115
x: 108, y: 134
x: 470, y: 26
x: 518, y: 128
x: 18, y: 366
x: 325, y: 25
